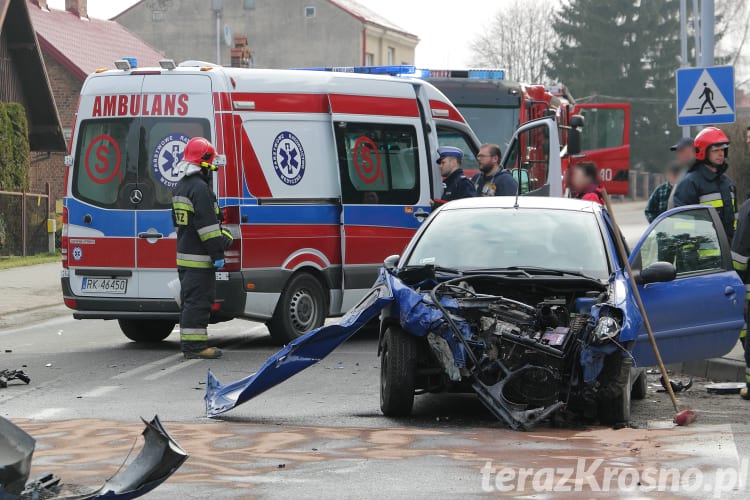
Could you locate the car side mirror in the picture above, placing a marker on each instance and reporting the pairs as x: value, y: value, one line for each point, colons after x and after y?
x: 391, y: 262
x: 574, y: 135
x: 658, y: 272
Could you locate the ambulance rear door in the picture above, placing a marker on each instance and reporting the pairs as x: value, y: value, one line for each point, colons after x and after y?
x: 384, y: 175
x: 185, y: 111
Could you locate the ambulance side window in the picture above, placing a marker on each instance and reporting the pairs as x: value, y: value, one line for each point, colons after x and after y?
x: 379, y: 163
x: 455, y: 138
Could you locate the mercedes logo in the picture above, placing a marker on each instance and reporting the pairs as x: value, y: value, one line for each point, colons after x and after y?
x: 136, y: 196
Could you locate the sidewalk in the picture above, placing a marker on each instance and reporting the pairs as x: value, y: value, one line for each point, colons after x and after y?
x: 30, y: 287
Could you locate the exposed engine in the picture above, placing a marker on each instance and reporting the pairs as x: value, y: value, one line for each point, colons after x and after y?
x: 524, y: 351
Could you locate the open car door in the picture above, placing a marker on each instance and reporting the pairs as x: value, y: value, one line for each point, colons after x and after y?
x: 533, y: 158
x: 605, y: 141
x: 699, y: 314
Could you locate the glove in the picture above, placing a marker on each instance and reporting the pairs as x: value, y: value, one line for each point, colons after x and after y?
x: 218, y: 263
x: 228, y: 239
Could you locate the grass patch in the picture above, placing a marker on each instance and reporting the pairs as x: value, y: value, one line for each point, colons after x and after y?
x: 32, y: 260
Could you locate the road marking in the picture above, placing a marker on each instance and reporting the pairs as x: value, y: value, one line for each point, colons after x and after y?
x: 172, y: 369
x: 100, y: 391
x: 46, y: 413
x: 147, y: 367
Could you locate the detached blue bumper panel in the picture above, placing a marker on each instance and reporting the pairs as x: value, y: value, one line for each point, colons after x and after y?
x: 298, y: 354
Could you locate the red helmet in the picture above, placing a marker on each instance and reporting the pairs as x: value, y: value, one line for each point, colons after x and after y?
x: 709, y: 136
x: 200, y: 152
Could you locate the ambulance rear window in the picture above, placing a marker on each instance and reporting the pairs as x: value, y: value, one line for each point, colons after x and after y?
x: 379, y: 163
x: 115, y: 157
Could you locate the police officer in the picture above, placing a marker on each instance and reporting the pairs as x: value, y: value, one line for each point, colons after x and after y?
x: 706, y: 182
x: 740, y: 258
x: 201, y: 242
x: 455, y: 184
x: 493, y: 180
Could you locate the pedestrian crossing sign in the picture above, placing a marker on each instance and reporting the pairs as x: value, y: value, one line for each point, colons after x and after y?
x: 705, y: 96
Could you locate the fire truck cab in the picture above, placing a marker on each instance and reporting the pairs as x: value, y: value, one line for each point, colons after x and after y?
x: 322, y: 176
x: 495, y: 108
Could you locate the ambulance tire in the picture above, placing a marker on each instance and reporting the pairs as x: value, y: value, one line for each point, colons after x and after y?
x: 141, y: 330
x: 302, y: 307
x: 398, y: 369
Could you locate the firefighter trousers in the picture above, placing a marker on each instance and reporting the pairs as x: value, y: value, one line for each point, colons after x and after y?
x: 197, y: 293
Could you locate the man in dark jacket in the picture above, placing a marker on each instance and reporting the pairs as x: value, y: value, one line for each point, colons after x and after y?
x: 201, y: 242
x: 455, y: 184
x: 493, y: 180
x: 706, y: 183
x: 740, y: 259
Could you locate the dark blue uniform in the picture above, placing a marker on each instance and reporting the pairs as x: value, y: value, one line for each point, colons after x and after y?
x: 702, y: 186
x: 501, y: 183
x: 457, y: 186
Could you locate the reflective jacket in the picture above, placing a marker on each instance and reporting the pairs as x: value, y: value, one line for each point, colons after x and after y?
x: 702, y: 186
x: 200, y: 239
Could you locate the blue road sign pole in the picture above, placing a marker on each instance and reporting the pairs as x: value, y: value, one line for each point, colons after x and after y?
x: 683, y: 49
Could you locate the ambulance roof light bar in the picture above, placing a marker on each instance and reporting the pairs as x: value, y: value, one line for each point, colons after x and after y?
x: 397, y: 70
x: 126, y: 63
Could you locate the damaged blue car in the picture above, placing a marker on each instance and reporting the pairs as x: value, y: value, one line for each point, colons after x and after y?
x: 525, y: 303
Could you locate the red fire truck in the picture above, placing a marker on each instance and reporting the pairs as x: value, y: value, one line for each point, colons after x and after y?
x: 495, y: 108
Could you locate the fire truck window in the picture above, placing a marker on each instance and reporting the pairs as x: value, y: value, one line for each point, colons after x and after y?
x: 604, y: 128
x: 106, y: 162
x: 455, y: 138
x: 528, y: 159
x: 162, y: 143
x: 379, y: 163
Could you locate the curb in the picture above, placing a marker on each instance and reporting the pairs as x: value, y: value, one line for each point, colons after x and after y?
x: 714, y: 369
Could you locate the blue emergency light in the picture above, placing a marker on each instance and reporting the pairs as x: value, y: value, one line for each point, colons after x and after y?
x: 399, y: 70
x: 414, y: 72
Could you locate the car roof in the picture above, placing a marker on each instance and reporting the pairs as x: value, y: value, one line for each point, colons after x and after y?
x: 536, y: 202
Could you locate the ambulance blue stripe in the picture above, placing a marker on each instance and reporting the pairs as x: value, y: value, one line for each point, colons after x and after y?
x: 286, y: 214
x: 383, y: 216
x: 114, y: 223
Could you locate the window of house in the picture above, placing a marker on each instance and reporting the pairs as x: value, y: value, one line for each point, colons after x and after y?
x: 309, y: 11
x: 369, y: 59
x: 379, y: 163
x: 390, y: 56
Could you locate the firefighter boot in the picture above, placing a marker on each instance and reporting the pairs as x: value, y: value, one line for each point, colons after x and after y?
x: 207, y: 353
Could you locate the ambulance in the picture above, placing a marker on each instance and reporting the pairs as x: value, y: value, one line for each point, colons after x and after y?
x: 322, y: 175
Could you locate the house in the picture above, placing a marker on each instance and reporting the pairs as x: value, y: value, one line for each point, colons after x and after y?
x: 23, y: 77
x: 74, y: 46
x: 280, y: 33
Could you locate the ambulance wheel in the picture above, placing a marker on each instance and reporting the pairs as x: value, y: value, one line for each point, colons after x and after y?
x: 301, y: 308
x: 141, y: 330
x: 398, y: 367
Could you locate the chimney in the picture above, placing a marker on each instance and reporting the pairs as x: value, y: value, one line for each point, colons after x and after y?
x: 77, y: 7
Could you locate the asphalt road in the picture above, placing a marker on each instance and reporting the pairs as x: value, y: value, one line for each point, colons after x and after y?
x: 321, y: 434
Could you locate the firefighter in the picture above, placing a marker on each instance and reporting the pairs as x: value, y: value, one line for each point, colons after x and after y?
x: 740, y: 258
x: 706, y: 182
x: 493, y: 179
x: 201, y: 242
x: 584, y: 184
x: 455, y: 184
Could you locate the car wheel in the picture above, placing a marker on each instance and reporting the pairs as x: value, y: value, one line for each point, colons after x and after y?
x: 302, y: 307
x: 640, y: 386
x: 398, y: 367
x: 143, y: 330
x: 614, y: 401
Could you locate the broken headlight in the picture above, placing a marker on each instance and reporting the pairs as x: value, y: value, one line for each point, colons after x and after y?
x: 606, y: 329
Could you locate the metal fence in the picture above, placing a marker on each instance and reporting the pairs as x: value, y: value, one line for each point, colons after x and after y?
x: 642, y: 184
x: 23, y: 223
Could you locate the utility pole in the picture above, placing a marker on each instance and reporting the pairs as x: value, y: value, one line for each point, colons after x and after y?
x: 684, y: 48
x: 217, y: 6
x: 707, y: 33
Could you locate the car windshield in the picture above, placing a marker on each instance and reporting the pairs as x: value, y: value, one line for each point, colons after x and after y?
x: 499, y: 238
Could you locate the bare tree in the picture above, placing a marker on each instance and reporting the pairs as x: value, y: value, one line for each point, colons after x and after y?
x: 733, y: 23
x: 517, y: 39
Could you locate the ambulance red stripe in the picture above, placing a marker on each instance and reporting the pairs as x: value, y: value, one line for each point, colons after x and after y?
x: 453, y: 113
x: 284, y: 103
x: 105, y: 252
x: 254, y: 176
x: 373, y: 105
